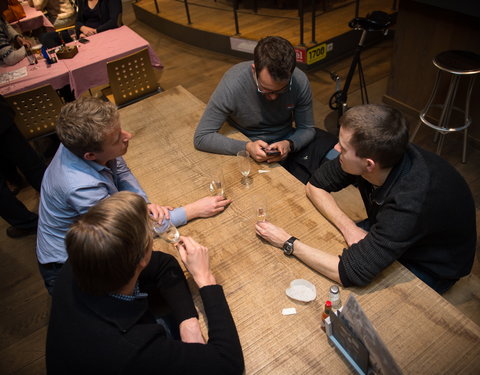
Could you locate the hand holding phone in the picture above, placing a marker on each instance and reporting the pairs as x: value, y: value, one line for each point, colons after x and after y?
x: 273, y: 152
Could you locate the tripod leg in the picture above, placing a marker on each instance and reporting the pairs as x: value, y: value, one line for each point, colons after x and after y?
x: 363, y: 84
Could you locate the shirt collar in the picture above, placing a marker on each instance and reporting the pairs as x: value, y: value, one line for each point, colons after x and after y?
x: 130, y: 298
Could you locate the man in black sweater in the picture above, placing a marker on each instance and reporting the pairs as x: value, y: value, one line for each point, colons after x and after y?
x: 101, y: 320
x: 420, y: 210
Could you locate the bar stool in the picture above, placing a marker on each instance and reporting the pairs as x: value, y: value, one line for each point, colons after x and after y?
x: 458, y: 64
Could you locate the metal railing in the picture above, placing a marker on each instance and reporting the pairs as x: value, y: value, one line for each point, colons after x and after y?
x: 255, y: 11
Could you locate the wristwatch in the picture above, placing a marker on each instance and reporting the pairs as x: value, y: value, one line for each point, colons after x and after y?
x: 288, y: 246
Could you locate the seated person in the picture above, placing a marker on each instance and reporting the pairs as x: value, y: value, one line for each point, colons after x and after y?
x: 15, y: 152
x: 269, y: 100
x: 93, y: 17
x: 9, y: 55
x: 102, y: 320
x: 87, y: 168
x: 420, y: 210
x: 61, y: 13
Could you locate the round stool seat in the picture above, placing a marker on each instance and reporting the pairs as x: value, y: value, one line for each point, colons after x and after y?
x: 458, y: 62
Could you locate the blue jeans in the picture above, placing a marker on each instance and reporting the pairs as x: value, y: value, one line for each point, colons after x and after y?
x: 50, y: 273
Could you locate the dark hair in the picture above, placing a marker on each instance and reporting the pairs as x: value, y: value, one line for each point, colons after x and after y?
x: 380, y: 132
x: 106, y: 244
x: 277, y: 55
x: 83, y: 124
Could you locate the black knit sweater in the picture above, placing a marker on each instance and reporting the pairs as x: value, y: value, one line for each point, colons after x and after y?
x: 423, y: 215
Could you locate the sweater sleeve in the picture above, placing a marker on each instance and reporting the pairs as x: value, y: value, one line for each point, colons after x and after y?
x: 330, y: 177
x: 165, y: 276
x: 207, y: 138
x: 395, y: 231
x: 222, y: 354
x: 113, y: 11
x: 303, y: 114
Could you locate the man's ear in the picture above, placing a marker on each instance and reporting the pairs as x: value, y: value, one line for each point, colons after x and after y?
x: 371, y: 165
x: 253, y: 68
x: 90, y: 156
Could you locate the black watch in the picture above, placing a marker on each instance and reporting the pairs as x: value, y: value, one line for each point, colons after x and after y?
x: 288, y: 246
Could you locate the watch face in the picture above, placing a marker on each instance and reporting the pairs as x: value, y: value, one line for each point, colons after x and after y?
x: 288, y: 248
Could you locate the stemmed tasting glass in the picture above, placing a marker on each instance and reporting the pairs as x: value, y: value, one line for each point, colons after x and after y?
x: 73, y: 34
x: 243, y: 159
x: 166, y: 231
x: 260, y: 207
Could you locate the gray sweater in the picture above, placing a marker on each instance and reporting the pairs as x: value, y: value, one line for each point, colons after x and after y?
x: 237, y: 101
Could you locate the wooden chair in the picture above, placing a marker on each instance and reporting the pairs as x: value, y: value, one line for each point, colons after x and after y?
x: 36, y: 111
x: 131, y: 79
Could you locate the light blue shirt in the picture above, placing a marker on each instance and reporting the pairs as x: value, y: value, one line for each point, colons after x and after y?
x: 70, y: 186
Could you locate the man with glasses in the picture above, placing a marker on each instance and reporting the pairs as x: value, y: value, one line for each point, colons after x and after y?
x: 269, y: 100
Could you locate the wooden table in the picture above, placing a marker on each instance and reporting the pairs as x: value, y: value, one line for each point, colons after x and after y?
x: 425, y: 334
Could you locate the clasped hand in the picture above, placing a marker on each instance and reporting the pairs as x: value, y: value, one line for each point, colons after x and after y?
x: 258, y: 150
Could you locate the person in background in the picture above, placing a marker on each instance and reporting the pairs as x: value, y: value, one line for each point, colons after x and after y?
x: 9, y: 55
x: 61, y: 13
x: 102, y: 320
x: 87, y: 168
x: 16, y: 151
x: 270, y: 101
x: 93, y: 17
x: 420, y: 209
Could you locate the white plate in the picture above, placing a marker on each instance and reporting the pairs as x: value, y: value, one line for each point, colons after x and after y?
x: 301, y: 290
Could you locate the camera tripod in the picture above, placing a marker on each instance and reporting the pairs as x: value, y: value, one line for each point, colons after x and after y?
x: 375, y: 21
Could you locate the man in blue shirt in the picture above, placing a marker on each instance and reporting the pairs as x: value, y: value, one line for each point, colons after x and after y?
x: 87, y: 168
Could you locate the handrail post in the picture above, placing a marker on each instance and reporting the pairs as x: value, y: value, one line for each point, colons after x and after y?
x: 313, y: 22
x: 156, y: 6
x: 187, y: 11
x: 235, y: 16
x: 300, y: 15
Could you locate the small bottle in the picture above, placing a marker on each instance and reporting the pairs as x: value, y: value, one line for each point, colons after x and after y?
x: 326, y: 313
x: 334, y: 297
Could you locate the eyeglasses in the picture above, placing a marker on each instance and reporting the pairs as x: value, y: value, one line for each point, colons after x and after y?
x: 283, y: 90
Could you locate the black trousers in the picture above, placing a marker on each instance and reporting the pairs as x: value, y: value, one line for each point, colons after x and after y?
x: 305, y: 161
x: 16, y: 152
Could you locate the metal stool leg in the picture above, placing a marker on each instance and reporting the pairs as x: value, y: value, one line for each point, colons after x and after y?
x: 415, y: 131
x: 447, y: 111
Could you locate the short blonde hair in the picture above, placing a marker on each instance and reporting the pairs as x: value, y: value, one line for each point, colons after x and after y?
x: 106, y: 244
x: 83, y: 124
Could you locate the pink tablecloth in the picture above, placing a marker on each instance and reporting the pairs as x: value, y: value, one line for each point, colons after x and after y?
x: 34, y: 20
x: 37, y: 75
x: 89, y: 67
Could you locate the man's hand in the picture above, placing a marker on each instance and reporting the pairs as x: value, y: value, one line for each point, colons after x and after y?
x: 354, y: 234
x: 88, y: 31
x: 273, y: 234
x: 283, y: 147
x: 206, y: 207
x: 159, y: 212
x: 23, y: 42
x: 195, y: 257
x: 190, y: 331
x: 255, y: 149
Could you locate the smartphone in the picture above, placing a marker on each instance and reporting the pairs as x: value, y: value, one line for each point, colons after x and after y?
x: 83, y: 40
x: 271, y: 152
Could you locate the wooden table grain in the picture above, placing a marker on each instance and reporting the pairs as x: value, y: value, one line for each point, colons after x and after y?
x: 424, y: 332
